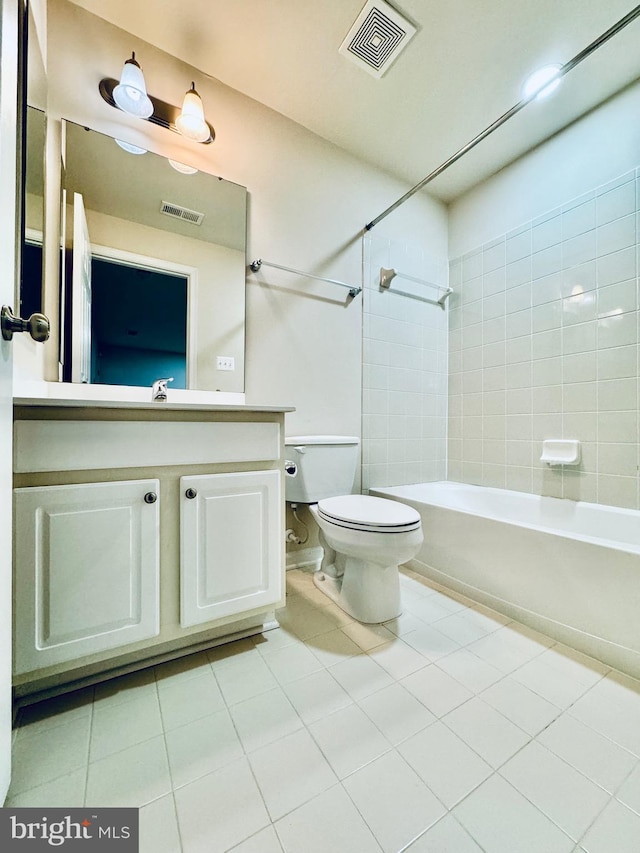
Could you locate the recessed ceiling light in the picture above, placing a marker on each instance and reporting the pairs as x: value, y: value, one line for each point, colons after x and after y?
x: 542, y: 82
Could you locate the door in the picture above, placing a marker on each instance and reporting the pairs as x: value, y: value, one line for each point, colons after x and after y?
x: 230, y: 541
x: 80, y: 295
x: 8, y: 123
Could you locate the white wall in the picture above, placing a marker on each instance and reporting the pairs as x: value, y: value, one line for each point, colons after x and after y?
x: 308, y: 202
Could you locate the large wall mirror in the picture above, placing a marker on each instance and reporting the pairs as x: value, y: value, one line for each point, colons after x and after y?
x: 153, y: 275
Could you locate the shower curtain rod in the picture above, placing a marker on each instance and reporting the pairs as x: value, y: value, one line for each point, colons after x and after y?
x: 568, y: 66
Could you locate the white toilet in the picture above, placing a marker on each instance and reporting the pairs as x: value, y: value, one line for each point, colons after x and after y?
x: 364, y: 538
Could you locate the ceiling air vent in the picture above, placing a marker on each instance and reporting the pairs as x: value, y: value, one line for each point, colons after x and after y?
x: 377, y: 37
x: 179, y: 212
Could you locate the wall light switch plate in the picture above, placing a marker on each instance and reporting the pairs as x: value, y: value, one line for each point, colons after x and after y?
x: 225, y: 362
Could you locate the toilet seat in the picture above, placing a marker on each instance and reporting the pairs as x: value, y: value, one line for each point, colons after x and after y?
x: 366, y: 513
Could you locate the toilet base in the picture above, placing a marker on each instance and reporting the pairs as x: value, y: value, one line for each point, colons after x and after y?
x: 368, y: 592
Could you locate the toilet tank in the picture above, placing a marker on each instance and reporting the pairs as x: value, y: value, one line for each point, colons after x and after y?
x: 325, y: 466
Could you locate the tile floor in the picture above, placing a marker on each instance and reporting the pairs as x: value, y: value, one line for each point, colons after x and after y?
x: 449, y: 729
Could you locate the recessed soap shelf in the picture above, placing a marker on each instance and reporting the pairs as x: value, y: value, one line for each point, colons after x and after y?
x: 561, y: 451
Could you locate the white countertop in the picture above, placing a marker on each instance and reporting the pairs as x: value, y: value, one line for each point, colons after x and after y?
x: 72, y: 395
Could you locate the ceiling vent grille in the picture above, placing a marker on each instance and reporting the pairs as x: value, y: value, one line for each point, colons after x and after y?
x: 179, y: 212
x: 377, y: 37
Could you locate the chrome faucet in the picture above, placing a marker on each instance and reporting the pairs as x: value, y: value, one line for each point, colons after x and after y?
x: 159, y: 389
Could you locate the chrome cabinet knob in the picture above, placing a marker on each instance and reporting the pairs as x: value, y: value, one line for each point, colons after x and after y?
x: 150, y: 498
x: 191, y: 494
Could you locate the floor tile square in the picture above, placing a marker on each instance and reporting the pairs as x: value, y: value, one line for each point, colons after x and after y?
x: 183, y: 702
x: 264, y: 719
x: 290, y: 772
x: 509, y: 647
x: 33, y: 719
x: 62, y: 792
x: 616, y: 830
x: 201, y: 746
x: 430, y: 642
x: 292, y: 662
x: 334, y: 646
x: 349, y: 740
x: 50, y: 753
x: 397, y: 658
x: 502, y: 821
x: 264, y: 841
x: 394, y: 801
x: 307, y: 829
x: 520, y: 705
x: 485, y: 730
x: 182, y: 669
x: 244, y: 679
x: 471, y: 671
x: 613, y: 719
x: 591, y: 753
x: 132, y: 777
x: 396, y: 712
x: 447, y: 836
x: 360, y: 676
x: 449, y: 767
x: 436, y: 689
x: 317, y: 696
x: 567, y: 797
x: 125, y: 687
x: 629, y: 792
x: 220, y: 810
x: 116, y: 727
x: 542, y: 677
x: 367, y: 637
x: 159, y: 826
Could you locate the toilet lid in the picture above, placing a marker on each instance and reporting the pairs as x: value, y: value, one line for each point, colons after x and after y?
x: 363, y: 512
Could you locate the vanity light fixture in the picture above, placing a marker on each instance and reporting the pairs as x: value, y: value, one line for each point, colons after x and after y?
x: 130, y: 148
x: 183, y: 168
x: 130, y: 96
x: 191, y: 122
x: 131, y: 92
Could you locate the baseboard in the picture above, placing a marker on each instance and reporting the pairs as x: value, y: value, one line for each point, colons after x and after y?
x: 304, y: 558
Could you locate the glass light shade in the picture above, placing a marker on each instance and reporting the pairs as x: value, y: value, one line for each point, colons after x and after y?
x: 182, y: 168
x: 129, y: 147
x: 191, y: 122
x: 542, y: 82
x: 131, y: 93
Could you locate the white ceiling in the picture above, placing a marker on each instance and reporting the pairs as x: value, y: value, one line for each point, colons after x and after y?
x: 462, y: 70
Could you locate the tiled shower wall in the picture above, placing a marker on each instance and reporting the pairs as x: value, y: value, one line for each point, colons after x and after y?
x: 543, y: 343
x: 404, y: 368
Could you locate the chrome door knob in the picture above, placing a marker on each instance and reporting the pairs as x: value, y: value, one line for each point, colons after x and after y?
x: 37, y: 325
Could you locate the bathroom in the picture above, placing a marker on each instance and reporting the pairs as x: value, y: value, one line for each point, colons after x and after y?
x: 296, y: 730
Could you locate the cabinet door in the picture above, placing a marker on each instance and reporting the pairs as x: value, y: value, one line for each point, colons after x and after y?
x: 230, y: 544
x: 86, y: 570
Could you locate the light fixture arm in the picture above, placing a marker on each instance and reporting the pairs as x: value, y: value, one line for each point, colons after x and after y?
x: 164, y: 114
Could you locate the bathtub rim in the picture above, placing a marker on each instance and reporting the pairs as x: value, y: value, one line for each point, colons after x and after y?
x: 394, y: 493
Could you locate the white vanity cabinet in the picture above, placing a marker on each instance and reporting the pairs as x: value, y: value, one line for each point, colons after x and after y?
x: 107, y: 578
x: 87, y: 578
x: 229, y: 544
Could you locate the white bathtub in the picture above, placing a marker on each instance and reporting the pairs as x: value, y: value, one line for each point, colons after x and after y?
x: 569, y: 569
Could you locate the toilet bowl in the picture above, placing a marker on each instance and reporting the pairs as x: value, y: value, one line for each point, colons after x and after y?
x: 364, y: 539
